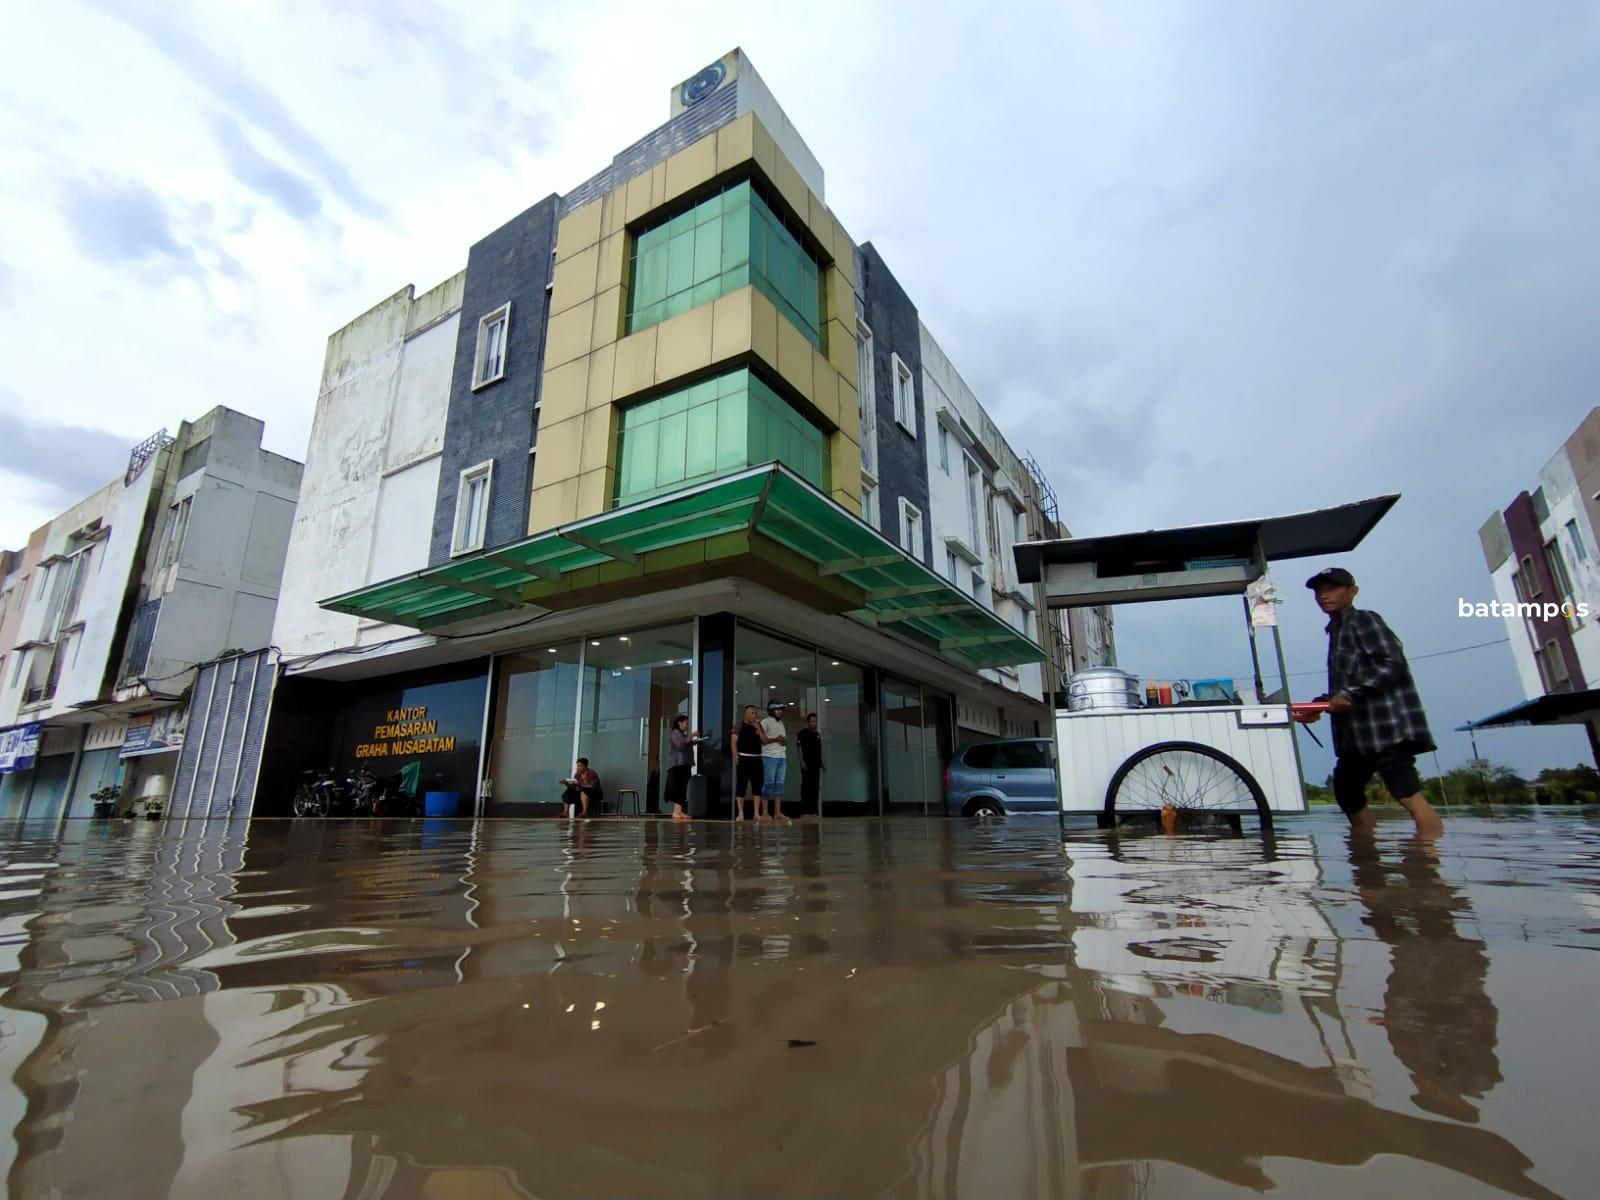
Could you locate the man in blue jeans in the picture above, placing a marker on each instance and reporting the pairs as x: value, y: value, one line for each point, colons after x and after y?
x: 774, y: 761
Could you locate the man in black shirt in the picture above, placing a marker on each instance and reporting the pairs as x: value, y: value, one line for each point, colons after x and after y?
x: 1378, y: 723
x: 811, y: 768
x: 747, y: 773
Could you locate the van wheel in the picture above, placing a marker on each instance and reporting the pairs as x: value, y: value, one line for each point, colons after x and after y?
x: 983, y: 808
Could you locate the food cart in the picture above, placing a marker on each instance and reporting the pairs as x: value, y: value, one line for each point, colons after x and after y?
x: 1229, y: 754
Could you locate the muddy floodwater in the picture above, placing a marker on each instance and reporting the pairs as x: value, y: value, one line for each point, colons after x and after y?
x: 900, y: 1008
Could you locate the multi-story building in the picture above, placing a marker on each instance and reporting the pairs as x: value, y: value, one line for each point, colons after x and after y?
x: 1545, y: 563
x: 112, y: 604
x: 663, y: 446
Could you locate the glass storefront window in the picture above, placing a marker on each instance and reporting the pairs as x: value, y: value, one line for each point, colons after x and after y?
x: 634, y: 684
x: 714, y: 427
x: 916, y: 747
x: 729, y: 241
x: 536, y: 705
x: 805, y: 681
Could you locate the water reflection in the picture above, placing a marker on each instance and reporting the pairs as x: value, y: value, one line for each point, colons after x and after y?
x: 900, y: 1008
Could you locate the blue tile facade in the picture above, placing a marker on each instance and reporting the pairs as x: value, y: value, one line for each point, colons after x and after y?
x: 497, y: 422
x: 902, y: 458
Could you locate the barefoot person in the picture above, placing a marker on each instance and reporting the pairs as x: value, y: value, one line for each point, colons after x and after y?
x: 1378, y: 723
x: 746, y: 738
x: 681, y: 742
x: 774, y: 761
x: 583, y: 786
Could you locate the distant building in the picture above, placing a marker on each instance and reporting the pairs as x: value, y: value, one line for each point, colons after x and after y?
x: 106, y: 613
x: 1543, y: 557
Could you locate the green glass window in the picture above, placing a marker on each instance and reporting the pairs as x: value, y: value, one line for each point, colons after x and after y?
x: 714, y: 427
x: 722, y: 244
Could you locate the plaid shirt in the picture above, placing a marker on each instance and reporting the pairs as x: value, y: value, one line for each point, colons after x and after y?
x: 1367, y: 663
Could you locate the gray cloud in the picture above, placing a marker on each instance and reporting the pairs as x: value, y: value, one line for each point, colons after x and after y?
x: 262, y: 175
x: 233, y: 87
x: 125, y: 222
x: 67, y: 462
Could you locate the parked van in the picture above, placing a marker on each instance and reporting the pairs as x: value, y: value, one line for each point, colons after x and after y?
x: 1002, y: 775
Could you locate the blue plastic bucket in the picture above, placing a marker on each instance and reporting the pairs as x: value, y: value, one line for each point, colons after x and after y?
x: 440, y: 804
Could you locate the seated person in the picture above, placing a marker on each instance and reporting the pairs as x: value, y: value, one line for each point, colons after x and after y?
x: 583, y: 786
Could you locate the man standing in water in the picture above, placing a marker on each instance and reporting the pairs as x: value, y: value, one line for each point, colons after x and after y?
x: 1378, y: 722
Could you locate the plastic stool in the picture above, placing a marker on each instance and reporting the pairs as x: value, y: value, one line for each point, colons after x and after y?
x: 637, y: 806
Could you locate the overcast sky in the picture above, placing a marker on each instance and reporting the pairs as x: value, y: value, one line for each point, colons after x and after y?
x: 1206, y: 261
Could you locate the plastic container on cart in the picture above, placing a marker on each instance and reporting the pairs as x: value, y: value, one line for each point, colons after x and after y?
x: 1213, y: 689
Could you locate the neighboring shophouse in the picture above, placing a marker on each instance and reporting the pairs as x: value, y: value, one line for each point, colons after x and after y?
x: 1542, y: 550
x: 112, y: 604
x: 644, y: 456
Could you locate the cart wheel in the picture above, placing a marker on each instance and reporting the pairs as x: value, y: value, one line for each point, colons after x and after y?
x: 1191, y: 777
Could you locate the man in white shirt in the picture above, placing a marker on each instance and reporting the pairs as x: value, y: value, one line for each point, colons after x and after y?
x: 774, y: 760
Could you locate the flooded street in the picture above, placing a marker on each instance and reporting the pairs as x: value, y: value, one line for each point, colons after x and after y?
x: 897, y: 1007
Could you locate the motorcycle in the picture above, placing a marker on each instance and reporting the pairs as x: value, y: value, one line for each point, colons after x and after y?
x: 360, y: 794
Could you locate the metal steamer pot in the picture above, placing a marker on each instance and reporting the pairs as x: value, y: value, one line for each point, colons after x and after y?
x: 1102, y: 687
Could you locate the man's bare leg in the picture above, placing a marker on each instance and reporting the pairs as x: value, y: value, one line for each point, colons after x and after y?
x: 1429, y: 823
x: 1363, y: 821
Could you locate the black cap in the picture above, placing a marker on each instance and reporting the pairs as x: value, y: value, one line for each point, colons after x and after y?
x: 1331, y: 577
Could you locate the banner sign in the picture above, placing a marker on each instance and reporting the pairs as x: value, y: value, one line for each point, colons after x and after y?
x: 154, y: 735
x: 19, y: 746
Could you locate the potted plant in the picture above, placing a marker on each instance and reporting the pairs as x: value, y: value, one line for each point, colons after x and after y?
x: 105, y: 801
x: 152, y: 806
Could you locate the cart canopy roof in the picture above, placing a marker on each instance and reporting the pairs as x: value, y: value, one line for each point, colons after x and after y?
x: 1191, y: 560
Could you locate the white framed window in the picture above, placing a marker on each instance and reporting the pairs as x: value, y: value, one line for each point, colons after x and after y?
x: 867, y: 397
x: 16, y: 667
x: 977, y: 584
x: 944, y: 449
x: 905, y: 396
x: 472, y: 508
x: 950, y: 565
x: 911, y: 529
x: 1530, y: 579
x: 489, y: 363
x: 1578, y: 551
x: 869, y: 506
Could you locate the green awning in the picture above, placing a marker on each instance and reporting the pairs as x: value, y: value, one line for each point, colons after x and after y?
x: 769, y: 502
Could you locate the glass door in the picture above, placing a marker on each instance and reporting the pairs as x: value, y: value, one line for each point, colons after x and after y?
x: 844, y: 719
x: 634, y: 684
x: 536, y: 698
x: 916, y: 747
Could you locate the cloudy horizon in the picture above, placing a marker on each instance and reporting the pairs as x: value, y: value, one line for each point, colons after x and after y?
x: 1203, y: 262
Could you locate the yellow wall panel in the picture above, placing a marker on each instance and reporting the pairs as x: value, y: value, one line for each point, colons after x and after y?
x: 849, y: 409
x: 844, y: 253
x: 683, y: 344
x: 820, y: 221
x: 638, y: 198
x: 574, y: 280
x: 569, y: 334
x: 553, y: 505
x: 614, y: 212
x: 794, y: 358
x: 841, y: 296
x: 578, y: 230
x: 730, y: 325
x: 559, y: 444
x: 595, y: 489
x: 613, y: 267
x: 600, y: 363
x: 736, y: 143
x: 791, y: 187
x: 599, y: 436
x: 608, y: 317
x: 690, y: 167
x: 763, y: 328
x: 564, y: 391
x: 841, y: 342
x: 766, y: 152
x: 658, y: 185
x: 824, y: 387
x: 635, y: 368
x: 846, y: 472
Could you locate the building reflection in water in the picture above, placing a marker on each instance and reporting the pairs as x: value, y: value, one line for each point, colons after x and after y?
x: 642, y: 1008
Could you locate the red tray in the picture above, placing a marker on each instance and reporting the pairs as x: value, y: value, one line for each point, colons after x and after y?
x: 1310, y: 706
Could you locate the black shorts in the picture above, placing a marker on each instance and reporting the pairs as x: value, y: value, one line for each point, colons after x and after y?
x: 747, y: 777
x: 1396, y: 768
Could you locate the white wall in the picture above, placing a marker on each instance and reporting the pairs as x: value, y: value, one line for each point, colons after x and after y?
x: 222, y: 591
x: 367, y: 499
x: 122, y: 508
x: 1517, y: 632
x: 1584, y: 573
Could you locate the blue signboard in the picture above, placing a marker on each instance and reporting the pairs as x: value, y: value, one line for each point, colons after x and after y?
x: 19, y: 746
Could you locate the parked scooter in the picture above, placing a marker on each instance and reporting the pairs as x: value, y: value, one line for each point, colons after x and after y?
x: 360, y: 794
